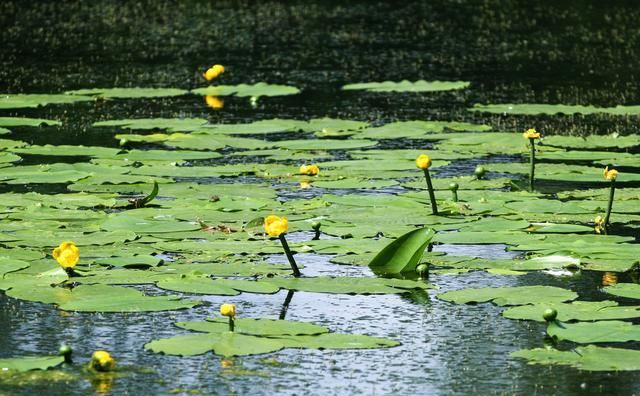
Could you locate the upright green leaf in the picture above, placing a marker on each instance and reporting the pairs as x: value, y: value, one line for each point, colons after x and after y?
x: 403, y: 254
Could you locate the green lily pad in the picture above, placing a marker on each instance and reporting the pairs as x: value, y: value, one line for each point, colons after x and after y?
x: 65, y: 150
x: 247, y: 90
x: 589, y: 358
x: 577, y: 310
x: 505, y: 296
x: 348, y: 285
x: 140, y: 225
x: 122, y: 93
x: 168, y: 124
x: 257, y: 327
x: 29, y: 363
x: 539, y: 108
x: 222, y: 287
x: 337, y: 341
x: 403, y: 254
x: 24, y: 121
x: 408, y: 86
x: 627, y: 290
x: 414, y: 129
x: 592, y: 332
x: 224, y: 344
x: 103, y: 298
x: 17, y: 101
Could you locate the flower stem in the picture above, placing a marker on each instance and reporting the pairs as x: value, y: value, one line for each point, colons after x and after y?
x: 610, y: 205
x: 232, y: 324
x: 455, y: 196
x: 287, y: 251
x: 532, y: 158
x: 432, y: 197
x: 285, y: 305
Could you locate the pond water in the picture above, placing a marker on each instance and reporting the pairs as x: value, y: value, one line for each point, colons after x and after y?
x: 580, y: 52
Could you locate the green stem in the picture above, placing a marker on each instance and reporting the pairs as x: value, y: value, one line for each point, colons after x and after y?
x: 611, y: 193
x: 432, y: 197
x: 232, y: 324
x: 533, y: 163
x: 287, y: 251
x: 285, y: 306
x: 455, y: 196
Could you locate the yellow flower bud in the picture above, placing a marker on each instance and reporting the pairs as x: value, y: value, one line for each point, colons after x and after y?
x: 274, y: 225
x: 228, y: 310
x: 423, y: 162
x: 531, y: 134
x: 67, y: 254
x: 214, y: 102
x: 102, y: 361
x: 213, y: 72
x: 309, y: 170
x: 610, y: 174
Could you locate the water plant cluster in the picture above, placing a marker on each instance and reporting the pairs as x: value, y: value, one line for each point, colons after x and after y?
x: 192, y: 207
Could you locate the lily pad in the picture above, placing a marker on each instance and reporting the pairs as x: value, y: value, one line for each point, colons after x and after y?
x: 589, y: 358
x: 257, y: 327
x: 29, y: 363
x: 17, y: 101
x: 24, y: 121
x: 539, y: 108
x: 627, y: 290
x: 592, y: 332
x: 168, y: 124
x: 408, y: 86
x: 348, y: 285
x: 505, y: 296
x: 577, y: 310
x: 222, y: 287
x: 122, y: 93
x: 247, y: 90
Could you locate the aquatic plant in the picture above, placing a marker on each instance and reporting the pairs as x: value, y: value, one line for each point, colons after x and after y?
x: 531, y: 135
x: 276, y: 227
x: 424, y: 162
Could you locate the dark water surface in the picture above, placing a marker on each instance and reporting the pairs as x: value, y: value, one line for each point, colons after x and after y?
x: 571, y: 52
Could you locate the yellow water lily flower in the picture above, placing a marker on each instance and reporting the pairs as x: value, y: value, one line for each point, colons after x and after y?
x: 213, y: 72
x: 610, y: 174
x: 274, y: 226
x: 67, y: 254
x: 599, y: 224
x: 214, y: 102
x: 228, y: 310
x: 531, y: 134
x: 102, y: 361
x: 309, y: 170
x: 423, y: 162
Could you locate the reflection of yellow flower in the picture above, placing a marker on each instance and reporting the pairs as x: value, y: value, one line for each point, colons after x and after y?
x: 423, y: 161
x: 309, y: 170
x: 275, y: 226
x: 213, y: 72
x: 610, y: 174
x: 214, y: 102
x: 228, y: 310
x: 531, y: 134
x: 599, y: 224
x: 609, y: 278
x: 226, y: 363
x: 304, y: 185
x: 102, y: 361
x: 67, y: 254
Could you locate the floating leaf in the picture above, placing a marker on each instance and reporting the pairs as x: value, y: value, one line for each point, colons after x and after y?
x: 31, y: 363
x: 121, y: 93
x: 589, y: 358
x: 24, y: 121
x: 168, y: 124
x: 408, y: 86
x: 627, y: 290
x: 577, y: 310
x: 538, y: 108
x: 590, y: 332
x: 403, y: 254
x: 504, y: 296
x: 34, y: 100
x: 246, y: 90
x: 223, y: 287
x: 257, y: 327
x: 348, y: 285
